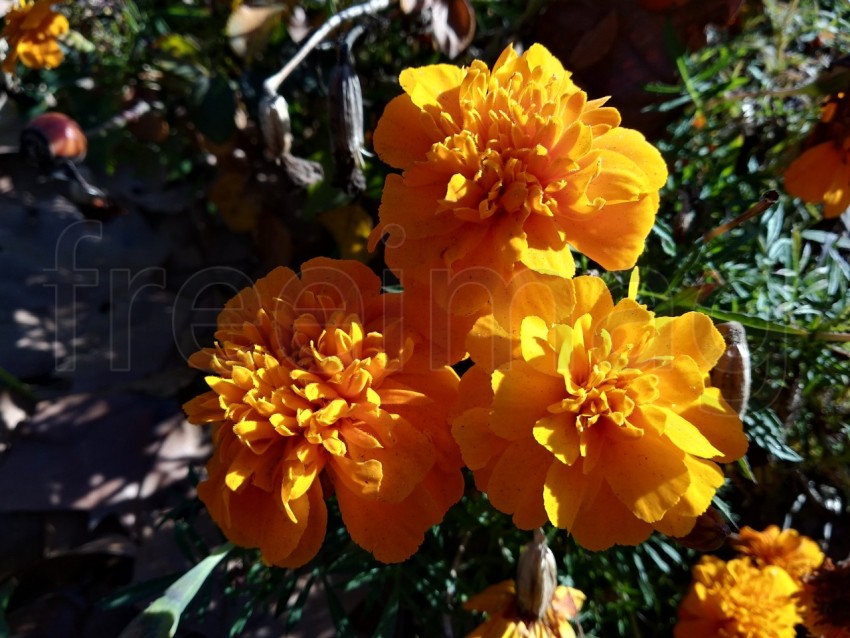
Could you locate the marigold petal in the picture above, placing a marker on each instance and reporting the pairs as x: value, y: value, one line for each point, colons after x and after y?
x: 558, y: 434
x: 681, y: 432
x: 349, y: 283
x: 719, y: 423
x: 592, y: 297
x: 629, y: 222
x: 534, y: 341
x: 619, y: 179
x: 565, y: 491
x: 413, y: 212
x: 538, y: 56
x: 810, y: 175
x: 493, y: 600
x: 520, y: 397
x: 478, y: 444
x: 369, y: 522
x: 605, y: 521
x: 632, y: 144
x: 521, y: 497
x: 204, y: 408
x: 706, y: 478
x: 360, y: 477
x: 627, y: 323
x: 399, y: 138
x: 436, y: 85
x: 680, y: 381
x: 691, y: 334
x: 557, y: 263
x: 837, y: 197
x: 311, y: 540
x: 647, y: 474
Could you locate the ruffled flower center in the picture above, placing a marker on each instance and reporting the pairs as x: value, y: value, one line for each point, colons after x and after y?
x: 523, y: 146
x: 601, y: 382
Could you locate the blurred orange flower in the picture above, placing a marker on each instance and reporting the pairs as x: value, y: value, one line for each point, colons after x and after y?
x: 822, y: 175
x: 505, y: 168
x: 318, y: 387
x: 499, y: 602
x: 31, y: 30
x: 797, y: 554
x: 606, y: 409
x: 738, y: 600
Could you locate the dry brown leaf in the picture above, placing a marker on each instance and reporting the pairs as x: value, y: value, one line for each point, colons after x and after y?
x: 249, y: 28
x: 452, y: 25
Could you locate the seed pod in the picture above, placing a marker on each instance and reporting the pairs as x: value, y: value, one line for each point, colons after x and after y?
x: 345, y: 101
x: 275, y: 125
x: 732, y: 372
x: 53, y: 137
x: 537, y: 577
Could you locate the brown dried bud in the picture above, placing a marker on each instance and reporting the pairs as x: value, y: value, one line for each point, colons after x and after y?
x: 825, y: 599
x: 537, y: 578
x: 345, y: 101
x: 732, y: 372
x: 709, y: 533
x: 274, y: 124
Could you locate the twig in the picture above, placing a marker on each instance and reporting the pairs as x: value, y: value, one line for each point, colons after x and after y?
x: 767, y: 200
x: 272, y: 84
x: 122, y: 119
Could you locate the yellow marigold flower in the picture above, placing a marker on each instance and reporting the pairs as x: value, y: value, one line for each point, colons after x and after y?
x: 499, y: 602
x: 31, y: 30
x: 505, y: 168
x: 738, y: 600
x: 823, y: 599
x: 797, y: 554
x: 822, y: 175
x: 318, y: 387
x: 595, y: 416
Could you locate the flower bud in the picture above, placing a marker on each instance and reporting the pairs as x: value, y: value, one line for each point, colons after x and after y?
x: 274, y: 124
x: 345, y: 102
x: 732, y: 372
x: 709, y: 533
x: 537, y: 577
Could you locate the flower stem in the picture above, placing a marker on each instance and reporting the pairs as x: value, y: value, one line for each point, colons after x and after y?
x: 272, y: 84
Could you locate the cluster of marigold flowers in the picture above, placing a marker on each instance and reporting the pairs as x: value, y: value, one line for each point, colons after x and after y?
x: 778, y: 580
x: 582, y: 411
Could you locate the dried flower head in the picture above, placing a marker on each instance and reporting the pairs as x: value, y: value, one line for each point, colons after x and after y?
x: 826, y: 613
x: 31, y: 29
x: 506, y: 169
x: 317, y: 387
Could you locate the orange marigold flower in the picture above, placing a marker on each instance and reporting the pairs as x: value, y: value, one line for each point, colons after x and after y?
x: 822, y: 175
x: 504, y: 619
x: 738, y: 600
x: 797, y: 554
x: 823, y: 598
x: 505, y: 168
x: 606, y: 409
x: 31, y: 30
x: 317, y: 386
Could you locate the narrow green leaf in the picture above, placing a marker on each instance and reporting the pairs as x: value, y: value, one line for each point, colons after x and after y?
x: 756, y: 323
x: 162, y: 616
